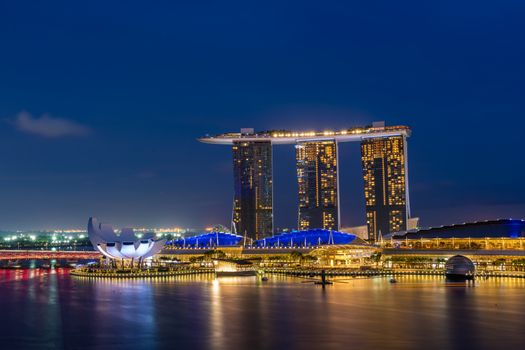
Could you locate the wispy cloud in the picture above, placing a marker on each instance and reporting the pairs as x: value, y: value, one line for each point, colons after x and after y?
x: 48, y: 126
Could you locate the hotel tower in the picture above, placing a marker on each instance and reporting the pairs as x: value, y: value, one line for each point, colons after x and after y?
x: 385, y: 172
x: 317, y: 179
x: 253, y: 190
x: 386, y: 186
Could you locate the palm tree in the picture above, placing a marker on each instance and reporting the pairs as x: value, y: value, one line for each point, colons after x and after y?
x: 376, y: 257
x: 296, y: 256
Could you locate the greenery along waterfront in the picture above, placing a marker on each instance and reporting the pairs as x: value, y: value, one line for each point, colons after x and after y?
x: 60, y: 240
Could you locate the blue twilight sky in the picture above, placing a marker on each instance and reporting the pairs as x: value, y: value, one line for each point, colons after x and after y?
x: 101, y: 102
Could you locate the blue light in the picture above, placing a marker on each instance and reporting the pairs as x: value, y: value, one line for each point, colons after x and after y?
x: 306, y: 238
x: 212, y: 239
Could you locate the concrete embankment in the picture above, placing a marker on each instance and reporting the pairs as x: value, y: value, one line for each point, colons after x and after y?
x: 383, y: 272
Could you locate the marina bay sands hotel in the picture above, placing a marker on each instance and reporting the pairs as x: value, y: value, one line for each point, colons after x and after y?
x: 385, y: 173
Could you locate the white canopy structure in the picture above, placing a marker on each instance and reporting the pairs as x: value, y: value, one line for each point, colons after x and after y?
x: 123, y: 246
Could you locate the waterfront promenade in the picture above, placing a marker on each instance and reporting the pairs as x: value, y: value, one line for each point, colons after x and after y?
x: 48, y: 255
x: 336, y: 260
x: 353, y: 273
x: 138, y: 273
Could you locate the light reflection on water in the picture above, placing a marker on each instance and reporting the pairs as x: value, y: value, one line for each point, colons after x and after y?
x: 49, y: 309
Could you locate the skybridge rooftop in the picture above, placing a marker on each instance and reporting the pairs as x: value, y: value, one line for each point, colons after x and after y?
x: 377, y: 130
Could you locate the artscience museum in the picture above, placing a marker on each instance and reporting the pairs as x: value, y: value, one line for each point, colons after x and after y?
x: 125, y: 245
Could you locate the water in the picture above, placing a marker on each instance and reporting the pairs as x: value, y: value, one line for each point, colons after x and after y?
x: 49, y: 309
x: 37, y: 263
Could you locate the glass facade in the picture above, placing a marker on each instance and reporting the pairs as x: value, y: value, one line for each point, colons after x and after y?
x: 253, y: 196
x: 317, y: 180
x: 502, y: 228
x: 386, y: 188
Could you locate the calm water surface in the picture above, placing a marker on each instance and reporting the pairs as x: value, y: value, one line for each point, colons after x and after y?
x: 50, y: 309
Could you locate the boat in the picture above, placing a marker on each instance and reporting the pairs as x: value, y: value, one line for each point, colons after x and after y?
x: 14, y: 267
x: 241, y: 273
x: 323, y: 281
x: 232, y: 268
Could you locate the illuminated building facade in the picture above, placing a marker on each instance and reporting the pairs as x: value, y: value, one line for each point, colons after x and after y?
x: 126, y: 245
x: 253, y: 195
x: 502, y: 236
x: 384, y: 166
x: 308, y: 238
x: 210, y: 239
x: 317, y: 180
x: 386, y: 186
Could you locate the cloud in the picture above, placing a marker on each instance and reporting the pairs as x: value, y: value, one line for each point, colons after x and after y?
x: 48, y: 126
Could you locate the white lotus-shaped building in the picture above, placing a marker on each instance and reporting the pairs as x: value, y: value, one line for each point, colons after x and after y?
x: 124, y: 245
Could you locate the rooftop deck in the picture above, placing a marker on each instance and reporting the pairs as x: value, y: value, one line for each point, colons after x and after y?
x: 292, y: 137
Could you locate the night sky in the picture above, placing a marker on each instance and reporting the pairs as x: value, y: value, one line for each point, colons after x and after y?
x: 101, y: 104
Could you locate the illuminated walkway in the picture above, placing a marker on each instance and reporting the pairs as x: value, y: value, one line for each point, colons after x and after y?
x: 354, y: 273
x: 47, y: 254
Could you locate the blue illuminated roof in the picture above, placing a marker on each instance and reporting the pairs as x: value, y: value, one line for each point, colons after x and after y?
x: 307, y: 238
x: 212, y: 239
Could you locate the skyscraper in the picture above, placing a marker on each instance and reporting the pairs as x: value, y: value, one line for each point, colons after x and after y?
x: 253, y: 196
x: 384, y: 167
x: 317, y: 180
x: 386, y: 186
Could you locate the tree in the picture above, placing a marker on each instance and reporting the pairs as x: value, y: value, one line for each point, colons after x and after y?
x: 214, y: 254
x: 499, y: 262
x: 296, y: 256
x: 309, y: 258
x: 195, y: 259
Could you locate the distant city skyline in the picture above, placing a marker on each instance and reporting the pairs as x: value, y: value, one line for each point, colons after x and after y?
x: 102, y: 120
